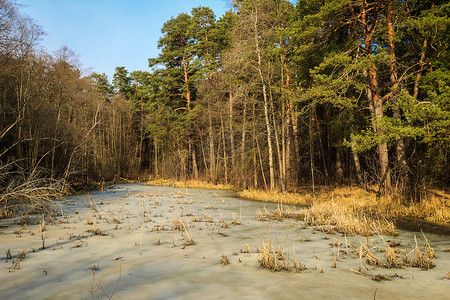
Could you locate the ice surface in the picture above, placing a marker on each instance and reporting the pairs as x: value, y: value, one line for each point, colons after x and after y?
x: 157, y: 264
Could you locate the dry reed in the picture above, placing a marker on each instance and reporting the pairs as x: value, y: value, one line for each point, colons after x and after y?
x: 275, y: 259
x: 399, y: 258
x: 433, y: 208
x: 225, y: 260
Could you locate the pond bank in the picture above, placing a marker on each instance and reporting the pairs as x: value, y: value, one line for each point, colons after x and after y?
x: 430, y: 215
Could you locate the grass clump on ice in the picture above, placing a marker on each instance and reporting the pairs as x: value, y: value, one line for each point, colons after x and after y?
x: 397, y: 258
x: 275, y: 259
x: 332, y: 218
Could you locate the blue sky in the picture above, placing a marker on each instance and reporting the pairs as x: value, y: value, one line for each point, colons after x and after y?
x: 109, y: 33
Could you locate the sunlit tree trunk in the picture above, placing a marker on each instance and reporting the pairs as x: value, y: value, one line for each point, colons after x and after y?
x: 233, y: 152
x: 266, y: 103
x: 374, y: 93
x: 244, y: 116
x: 400, y: 144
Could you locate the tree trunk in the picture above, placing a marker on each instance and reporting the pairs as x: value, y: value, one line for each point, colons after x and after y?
x: 277, y: 144
x: 255, y: 163
x: 225, y: 164
x: 193, y: 158
x: 383, y: 155
x: 373, y: 93
x: 356, y: 159
x: 421, y: 65
x: 400, y: 144
x: 339, y: 173
x: 233, y: 152
x: 155, y: 144
x: 311, y: 154
x: 244, y: 115
x: 212, y: 159
x: 266, y: 106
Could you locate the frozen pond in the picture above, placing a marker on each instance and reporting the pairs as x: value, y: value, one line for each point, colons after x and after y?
x: 138, y: 236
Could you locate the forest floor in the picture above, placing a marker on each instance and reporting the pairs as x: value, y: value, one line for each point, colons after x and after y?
x: 135, y: 241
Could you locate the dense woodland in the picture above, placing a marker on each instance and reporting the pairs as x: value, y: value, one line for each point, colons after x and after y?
x: 271, y: 95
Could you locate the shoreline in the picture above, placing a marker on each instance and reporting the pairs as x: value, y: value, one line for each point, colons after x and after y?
x: 431, y: 215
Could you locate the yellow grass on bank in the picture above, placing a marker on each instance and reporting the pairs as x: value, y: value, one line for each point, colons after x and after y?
x: 357, y: 201
x: 277, y: 197
x: 195, y: 184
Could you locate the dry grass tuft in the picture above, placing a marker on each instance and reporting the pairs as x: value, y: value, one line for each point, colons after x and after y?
x: 16, y: 263
x: 446, y: 276
x: 278, y: 214
x: 224, y: 260
x: 177, y: 224
x: 398, y: 258
x: 234, y: 221
x: 247, y: 249
x: 96, y: 230
x: 276, y: 260
x: 89, y: 219
x: 271, y: 259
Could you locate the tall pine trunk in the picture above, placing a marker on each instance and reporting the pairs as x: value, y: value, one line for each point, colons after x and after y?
x: 400, y: 144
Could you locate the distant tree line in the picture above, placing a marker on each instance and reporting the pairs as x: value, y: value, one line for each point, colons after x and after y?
x: 53, y: 121
x: 270, y: 95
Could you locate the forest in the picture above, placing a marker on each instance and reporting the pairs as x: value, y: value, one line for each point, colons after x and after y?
x: 272, y: 95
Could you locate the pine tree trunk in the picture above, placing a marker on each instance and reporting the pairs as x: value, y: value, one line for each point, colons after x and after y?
x: 421, y: 65
x: 383, y: 155
x: 400, y: 144
x: 373, y: 92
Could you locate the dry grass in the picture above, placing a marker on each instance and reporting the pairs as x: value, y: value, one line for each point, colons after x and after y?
x: 334, y: 217
x: 331, y: 218
x: 276, y: 197
x: 278, y: 214
x: 197, y: 184
x: 275, y: 259
x: 16, y: 263
x: 446, y: 276
x: 397, y: 258
x: 224, y: 260
x: 434, y: 208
